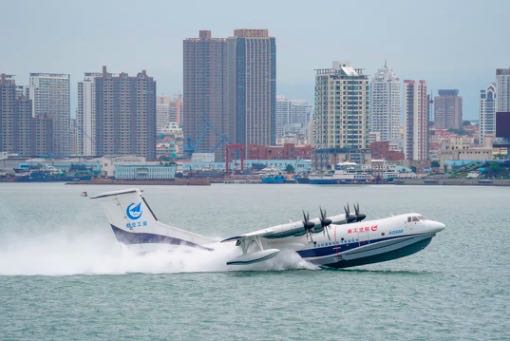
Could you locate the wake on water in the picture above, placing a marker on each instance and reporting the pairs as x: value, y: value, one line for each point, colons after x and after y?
x: 64, y: 252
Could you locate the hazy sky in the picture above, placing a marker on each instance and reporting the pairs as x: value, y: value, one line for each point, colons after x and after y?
x: 451, y: 44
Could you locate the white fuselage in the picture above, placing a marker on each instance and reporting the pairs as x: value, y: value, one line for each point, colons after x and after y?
x: 361, y: 242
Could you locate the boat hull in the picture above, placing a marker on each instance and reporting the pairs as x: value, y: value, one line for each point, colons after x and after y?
x: 377, y: 252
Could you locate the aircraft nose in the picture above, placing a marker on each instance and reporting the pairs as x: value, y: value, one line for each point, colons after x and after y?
x: 438, y: 226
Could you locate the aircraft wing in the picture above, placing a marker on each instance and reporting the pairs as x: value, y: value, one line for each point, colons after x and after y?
x: 284, y: 230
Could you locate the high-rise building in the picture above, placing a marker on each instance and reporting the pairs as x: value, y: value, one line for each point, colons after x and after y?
x: 206, y: 124
x: 25, y: 126
x: 43, y: 136
x: 488, y: 114
x: 8, y: 114
x: 168, y: 110
x: 163, y: 104
x: 341, y: 107
x: 282, y: 115
x: 176, y: 108
x: 50, y: 95
x: 125, y: 114
x: 292, y: 117
x: 416, y: 108
x: 448, y: 109
x: 251, y: 86
x: 16, y: 123
x: 86, y: 115
x: 503, y: 89
x: 385, y: 105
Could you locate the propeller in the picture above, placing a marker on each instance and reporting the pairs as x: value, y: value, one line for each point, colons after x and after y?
x: 359, y: 216
x: 348, y: 217
x: 325, y: 222
x: 307, y: 224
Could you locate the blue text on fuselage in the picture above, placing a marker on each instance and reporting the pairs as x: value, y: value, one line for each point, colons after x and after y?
x: 394, y: 232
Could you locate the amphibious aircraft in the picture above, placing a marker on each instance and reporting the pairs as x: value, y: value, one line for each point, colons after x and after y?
x: 338, y: 241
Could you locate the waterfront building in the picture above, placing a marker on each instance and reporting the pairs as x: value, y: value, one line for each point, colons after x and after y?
x: 287, y: 151
x: 251, y: 86
x: 17, y: 126
x: 452, y: 151
x: 341, y: 107
x: 147, y: 171
x: 292, y: 118
x: 299, y: 165
x: 503, y: 90
x: 25, y: 126
x: 168, y: 111
x: 170, y: 141
x: 162, y: 111
x: 50, y: 95
x: 86, y: 115
x: 416, y: 108
x: 74, y: 137
x: 8, y: 114
x: 448, y: 109
x: 385, y: 105
x: 382, y: 150
x: 176, y: 110
x: 125, y: 114
x: 43, y: 136
x: 229, y: 91
x: 205, y: 123
x: 488, y: 114
x: 282, y: 115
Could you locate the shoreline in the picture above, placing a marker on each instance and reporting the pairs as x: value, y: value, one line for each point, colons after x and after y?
x: 252, y: 181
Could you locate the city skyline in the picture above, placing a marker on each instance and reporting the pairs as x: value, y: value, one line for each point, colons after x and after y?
x: 419, y: 41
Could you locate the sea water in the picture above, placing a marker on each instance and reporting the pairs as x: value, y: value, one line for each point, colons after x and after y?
x: 64, y: 276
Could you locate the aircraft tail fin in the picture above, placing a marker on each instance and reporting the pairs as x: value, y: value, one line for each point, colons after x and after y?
x: 133, y: 221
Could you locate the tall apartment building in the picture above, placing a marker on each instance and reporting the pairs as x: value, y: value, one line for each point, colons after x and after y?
x: 291, y: 115
x: 416, y: 108
x: 8, y: 115
x: 176, y: 110
x: 162, y: 111
x: 25, y: 126
x: 18, y: 129
x: 168, y: 109
x: 503, y: 89
x: 385, y: 105
x: 43, y: 136
x: 341, y: 107
x: 488, y: 114
x: 229, y: 90
x: 206, y: 124
x: 50, y: 95
x: 448, y: 109
x: 86, y: 115
x: 251, y: 86
x: 117, y: 114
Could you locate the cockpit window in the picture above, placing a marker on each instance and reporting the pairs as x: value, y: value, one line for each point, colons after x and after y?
x: 415, y: 218
x: 408, y: 219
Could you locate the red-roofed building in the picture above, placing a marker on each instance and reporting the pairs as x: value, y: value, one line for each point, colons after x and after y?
x: 381, y: 150
x: 288, y: 151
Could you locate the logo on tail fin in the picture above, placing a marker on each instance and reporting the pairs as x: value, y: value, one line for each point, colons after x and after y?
x: 134, y: 211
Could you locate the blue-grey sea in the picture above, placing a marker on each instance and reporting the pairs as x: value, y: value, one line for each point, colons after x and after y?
x: 63, y: 276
